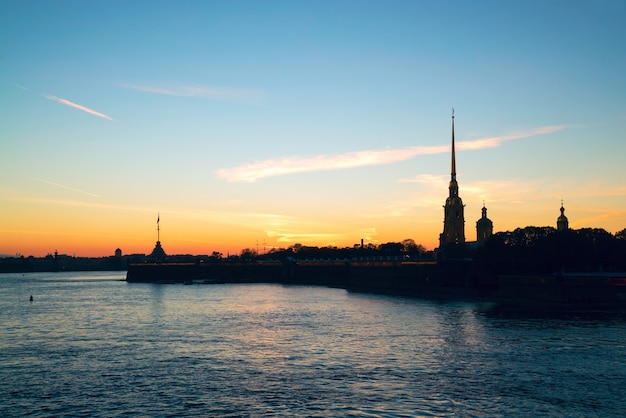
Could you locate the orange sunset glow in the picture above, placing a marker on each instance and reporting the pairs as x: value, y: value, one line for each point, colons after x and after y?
x: 321, y: 131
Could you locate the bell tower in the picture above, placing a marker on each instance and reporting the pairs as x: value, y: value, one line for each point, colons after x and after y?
x: 562, y: 224
x: 484, y: 228
x: 453, y: 219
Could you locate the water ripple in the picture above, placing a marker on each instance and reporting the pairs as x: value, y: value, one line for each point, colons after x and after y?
x: 90, y: 345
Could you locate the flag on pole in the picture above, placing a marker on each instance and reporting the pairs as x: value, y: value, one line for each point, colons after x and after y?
x: 158, y: 217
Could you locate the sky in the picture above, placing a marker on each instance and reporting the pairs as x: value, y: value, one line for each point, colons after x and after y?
x: 262, y: 124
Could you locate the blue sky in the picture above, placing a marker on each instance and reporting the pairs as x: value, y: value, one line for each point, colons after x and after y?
x: 313, y: 122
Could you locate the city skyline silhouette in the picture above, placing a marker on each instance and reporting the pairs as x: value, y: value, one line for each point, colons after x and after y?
x: 303, y: 122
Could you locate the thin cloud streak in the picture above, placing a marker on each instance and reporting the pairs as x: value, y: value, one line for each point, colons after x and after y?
x: 271, y: 221
x: 428, y: 194
x: 293, y: 237
x: 214, y: 93
x: 297, y: 234
x: 250, y: 173
x: 594, y: 220
x: 65, y: 187
x: 77, y: 106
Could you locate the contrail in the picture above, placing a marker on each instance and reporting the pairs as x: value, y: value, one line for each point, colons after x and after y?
x: 206, y: 92
x: 76, y: 106
x: 65, y: 187
x: 69, y: 103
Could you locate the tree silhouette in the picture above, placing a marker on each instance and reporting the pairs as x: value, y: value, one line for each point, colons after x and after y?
x: 543, y: 250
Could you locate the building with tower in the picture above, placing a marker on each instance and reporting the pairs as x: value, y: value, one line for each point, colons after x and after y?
x: 453, y: 220
x: 562, y: 224
x: 158, y: 253
x: 484, y: 228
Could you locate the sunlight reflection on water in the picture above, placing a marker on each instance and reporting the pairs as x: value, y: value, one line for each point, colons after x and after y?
x: 90, y: 344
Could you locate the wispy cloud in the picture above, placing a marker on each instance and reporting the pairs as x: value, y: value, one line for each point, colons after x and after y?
x: 595, y: 220
x: 507, y: 190
x: 249, y: 173
x: 21, y: 87
x: 495, y: 141
x: 291, y: 234
x: 285, y: 236
x: 65, y: 187
x: 77, y: 106
x: 437, y: 180
x: 281, y: 228
x: 206, y: 92
x: 429, y: 193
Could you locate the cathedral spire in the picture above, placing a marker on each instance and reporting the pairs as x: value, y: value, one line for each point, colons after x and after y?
x: 453, y: 170
x: 454, y: 186
x: 454, y: 221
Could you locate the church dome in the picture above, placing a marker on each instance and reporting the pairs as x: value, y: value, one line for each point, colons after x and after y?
x: 484, y: 222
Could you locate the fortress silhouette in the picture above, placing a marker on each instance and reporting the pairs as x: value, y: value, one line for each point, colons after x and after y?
x: 455, y: 273
x: 452, y: 240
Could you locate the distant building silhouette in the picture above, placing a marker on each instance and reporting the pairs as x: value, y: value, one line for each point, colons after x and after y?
x: 484, y: 228
x: 118, y: 253
x: 453, y: 220
x: 562, y: 224
x: 158, y: 253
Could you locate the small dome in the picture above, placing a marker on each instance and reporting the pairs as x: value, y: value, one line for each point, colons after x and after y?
x: 484, y: 222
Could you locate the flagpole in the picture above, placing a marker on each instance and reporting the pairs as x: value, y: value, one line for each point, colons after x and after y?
x: 158, y: 228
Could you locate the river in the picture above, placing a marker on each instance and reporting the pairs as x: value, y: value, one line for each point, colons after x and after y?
x: 90, y: 344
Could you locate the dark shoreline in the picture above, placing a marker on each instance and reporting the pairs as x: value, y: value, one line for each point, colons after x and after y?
x: 452, y: 279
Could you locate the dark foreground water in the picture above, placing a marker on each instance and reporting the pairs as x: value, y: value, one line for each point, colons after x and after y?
x: 91, y: 345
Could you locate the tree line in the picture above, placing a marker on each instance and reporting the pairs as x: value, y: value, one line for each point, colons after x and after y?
x: 529, y: 250
x: 405, y: 250
x: 544, y: 250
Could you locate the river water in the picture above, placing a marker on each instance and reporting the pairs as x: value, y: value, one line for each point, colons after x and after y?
x: 92, y: 345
